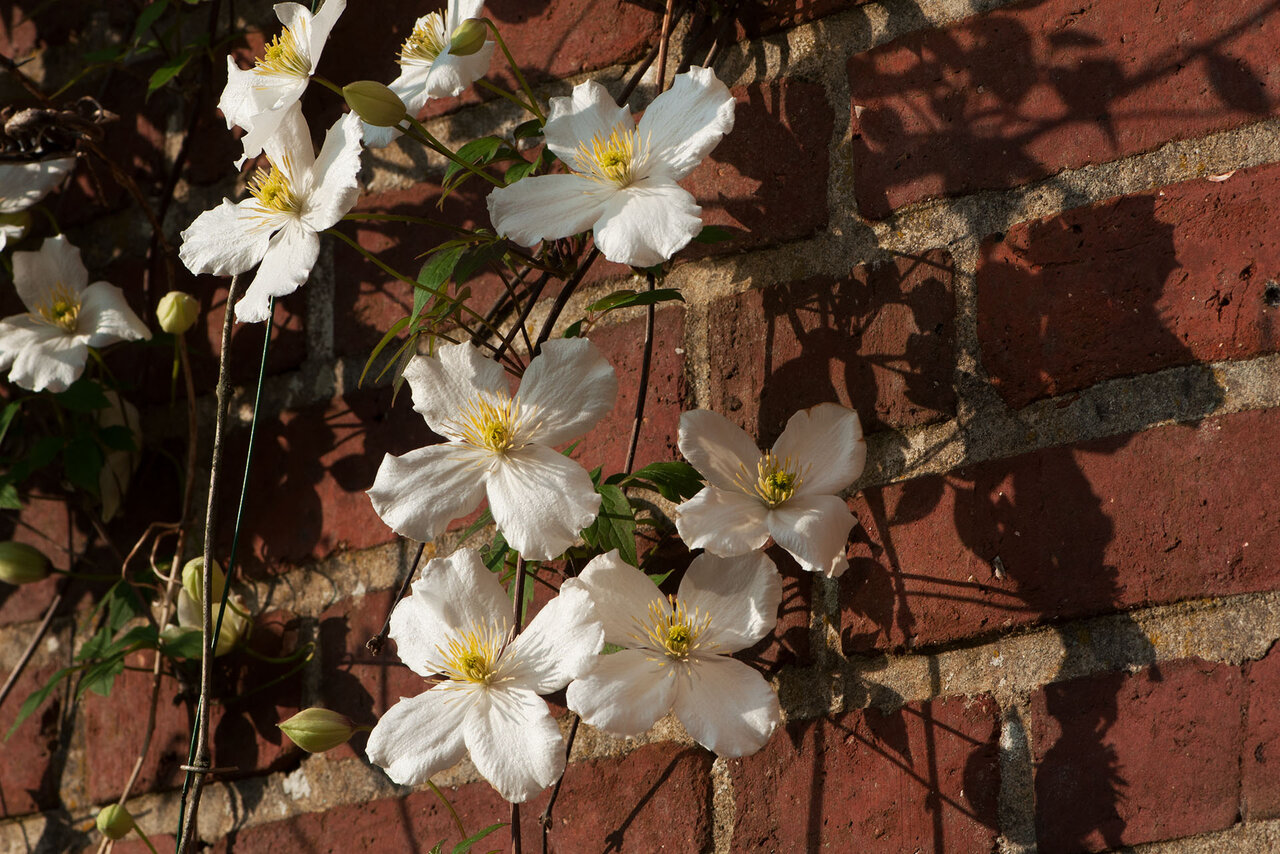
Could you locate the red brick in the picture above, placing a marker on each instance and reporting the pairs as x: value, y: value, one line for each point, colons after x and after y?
x: 768, y: 16
x: 923, y: 778
x: 1025, y: 91
x: 1260, y: 754
x: 1124, y: 759
x: 769, y: 175
x: 1073, y: 534
x: 29, y: 757
x: 1132, y: 285
x: 881, y: 341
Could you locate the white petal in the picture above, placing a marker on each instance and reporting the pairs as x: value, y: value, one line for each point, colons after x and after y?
x: 419, y: 493
x: 826, y: 442
x: 285, y: 268
x: 722, y: 522
x: 105, y: 316
x: 588, y: 113
x: 13, y: 230
x: 626, y: 692
x: 454, y: 594
x: 684, y: 123
x: 566, y: 389
x: 514, y: 742
x: 459, y: 11
x: 238, y: 102
x: 262, y: 127
x: 726, y: 706
x: 24, y: 184
x: 56, y: 263
x: 815, y: 530
x: 450, y: 75
x: 289, y: 147
x: 333, y: 187
x: 560, y: 643
x: 225, y: 240
x: 547, y: 207
x: 647, y: 223
x: 621, y: 594
x: 741, y: 594
x: 445, y: 385
x: 321, y: 25
x: 720, y: 450
x: 411, y: 88
x: 421, y: 735
x: 41, y: 356
x: 540, y: 501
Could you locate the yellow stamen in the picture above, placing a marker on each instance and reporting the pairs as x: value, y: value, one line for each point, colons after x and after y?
x: 425, y: 43
x: 493, y: 424
x: 62, y: 308
x: 282, y: 57
x: 611, y: 160
x: 776, y: 480
x: 677, y: 633
x: 273, y: 190
x: 473, y: 655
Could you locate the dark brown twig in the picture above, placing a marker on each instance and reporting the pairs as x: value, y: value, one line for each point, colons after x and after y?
x: 378, y: 641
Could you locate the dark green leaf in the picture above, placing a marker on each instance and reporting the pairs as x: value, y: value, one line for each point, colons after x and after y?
x: 95, y: 645
x: 574, y: 329
x: 495, y: 554
x: 527, y: 130
x: 518, y: 171
x: 9, y: 499
x: 717, y: 234
x: 615, y: 527
x: 83, y: 396
x: 147, y: 17
x: 122, y: 604
x: 167, y: 72
x: 674, y: 481
x: 37, y: 698
x: 391, y: 333
x: 628, y: 298
x: 101, y: 677
x: 117, y: 438
x: 189, y: 644
x: 6, y: 418
x: 464, y: 846
x: 82, y: 460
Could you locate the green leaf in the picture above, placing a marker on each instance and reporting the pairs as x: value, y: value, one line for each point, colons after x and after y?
x: 9, y: 499
x: 101, y: 677
x: 628, y: 298
x: 527, y: 130
x: 83, y: 396
x: 167, y: 72
x: 7, y: 416
x: 438, y: 268
x: 122, y: 604
x: 674, y: 481
x: 95, y: 645
x: 464, y: 846
x: 481, y: 152
x: 117, y: 438
x: 147, y: 17
x: 494, y: 554
x: 37, y: 698
x: 82, y: 460
x: 519, y: 170
x: 574, y: 330
x: 615, y: 527
x: 189, y: 644
x: 391, y: 333
x: 717, y: 234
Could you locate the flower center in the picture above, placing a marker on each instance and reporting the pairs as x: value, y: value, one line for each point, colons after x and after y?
x: 610, y: 160
x: 494, y: 425
x: 676, y: 633
x: 282, y: 57
x: 273, y: 190
x: 425, y: 43
x: 62, y: 309
x: 473, y: 656
x: 776, y: 480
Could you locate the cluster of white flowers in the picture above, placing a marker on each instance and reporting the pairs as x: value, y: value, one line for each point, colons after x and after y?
x: 669, y: 654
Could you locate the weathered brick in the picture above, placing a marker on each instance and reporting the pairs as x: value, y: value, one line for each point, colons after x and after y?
x: 923, y: 778
x: 1260, y: 752
x: 1124, y: 759
x: 1132, y: 285
x: 1025, y: 91
x: 768, y: 16
x: 30, y: 758
x: 881, y: 341
x: 1072, y: 533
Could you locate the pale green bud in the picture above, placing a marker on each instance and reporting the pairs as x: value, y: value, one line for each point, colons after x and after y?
x: 193, y: 580
x: 15, y: 225
x: 468, y: 38
x: 177, y: 312
x: 114, y: 821
x: 316, y: 730
x: 22, y: 564
x: 374, y: 103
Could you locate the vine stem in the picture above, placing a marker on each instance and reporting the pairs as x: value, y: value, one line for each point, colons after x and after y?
x: 35, y: 641
x: 641, y: 393
x: 375, y: 643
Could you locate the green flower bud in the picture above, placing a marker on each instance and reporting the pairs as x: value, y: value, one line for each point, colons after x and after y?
x: 468, y: 38
x: 235, y: 621
x: 193, y: 580
x: 316, y: 730
x: 22, y: 564
x: 14, y: 226
x: 177, y: 312
x: 114, y: 821
x: 374, y: 103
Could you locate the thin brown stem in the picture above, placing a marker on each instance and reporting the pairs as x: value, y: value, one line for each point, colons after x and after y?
x: 545, y: 818
x: 34, y: 642
x: 562, y: 298
x: 662, y: 47
x: 376, y: 643
x: 642, y: 382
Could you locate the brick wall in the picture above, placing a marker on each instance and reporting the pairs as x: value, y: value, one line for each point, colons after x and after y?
x: 1035, y: 244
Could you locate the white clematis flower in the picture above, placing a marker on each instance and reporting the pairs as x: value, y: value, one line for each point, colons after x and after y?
x: 46, y: 348
x: 500, y: 446
x: 258, y: 100
x: 21, y: 186
x: 455, y: 626
x: 623, y: 180
x: 790, y: 493
x: 302, y: 194
x: 676, y: 655
x: 427, y: 68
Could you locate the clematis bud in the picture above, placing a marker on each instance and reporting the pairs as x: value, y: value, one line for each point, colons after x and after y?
x: 114, y: 821
x: 374, y: 103
x: 14, y: 226
x: 193, y: 579
x: 235, y: 621
x: 177, y: 312
x: 22, y: 564
x: 316, y: 730
x: 468, y: 38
